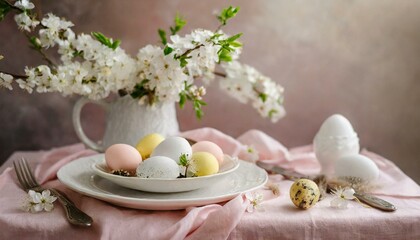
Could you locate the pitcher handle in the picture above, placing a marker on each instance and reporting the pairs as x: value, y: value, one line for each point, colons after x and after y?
x: 78, y: 126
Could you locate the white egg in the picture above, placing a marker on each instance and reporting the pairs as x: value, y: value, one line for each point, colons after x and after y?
x: 158, y: 167
x: 335, y: 139
x: 356, y: 166
x: 336, y: 126
x: 173, y: 148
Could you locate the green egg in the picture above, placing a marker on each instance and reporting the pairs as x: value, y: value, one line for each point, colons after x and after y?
x: 304, y: 193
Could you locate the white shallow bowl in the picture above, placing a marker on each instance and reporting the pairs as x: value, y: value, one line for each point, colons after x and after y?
x: 160, y: 185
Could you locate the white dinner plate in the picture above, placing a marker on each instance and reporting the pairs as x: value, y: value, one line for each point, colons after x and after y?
x: 79, y: 176
x: 161, y: 185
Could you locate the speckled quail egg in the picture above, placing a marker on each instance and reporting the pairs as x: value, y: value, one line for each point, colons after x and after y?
x: 304, y: 193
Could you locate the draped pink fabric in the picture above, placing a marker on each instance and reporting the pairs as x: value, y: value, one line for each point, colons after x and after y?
x: 280, y: 220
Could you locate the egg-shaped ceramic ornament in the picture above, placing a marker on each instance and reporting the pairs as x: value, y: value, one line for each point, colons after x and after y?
x: 357, y: 166
x: 304, y: 193
x: 335, y: 139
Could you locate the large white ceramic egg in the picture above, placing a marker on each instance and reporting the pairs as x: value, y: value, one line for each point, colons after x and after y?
x: 158, y: 167
x: 173, y: 148
x: 356, y: 166
x: 336, y: 125
x: 335, y: 139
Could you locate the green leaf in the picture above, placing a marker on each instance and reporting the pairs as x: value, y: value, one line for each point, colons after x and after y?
x: 116, y: 44
x: 199, y: 113
x: 228, y: 48
x: 263, y: 97
x: 106, y: 41
x: 77, y: 53
x: 202, y: 102
x: 101, y: 38
x: 234, y: 37
x: 197, y: 108
x: 139, y: 90
x: 162, y: 35
x: 271, y: 113
x: 182, y: 99
x: 236, y: 44
x: 167, y: 50
x: 227, y: 14
x: 224, y: 55
x: 35, y: 43
x: 179, y: 24
x: 183, y: 160
x: 4, y: 9
x: 216, y: 35
x: 183, y: 61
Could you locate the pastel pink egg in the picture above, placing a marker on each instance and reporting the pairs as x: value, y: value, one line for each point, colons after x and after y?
x: 122, y: 156
x: 210, y: 147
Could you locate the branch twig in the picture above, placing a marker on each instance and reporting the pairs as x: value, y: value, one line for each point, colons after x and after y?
x: 44, y: 55
x: 220, y: 74
x: 185, y: 54
x: 12, y: 6
x: 218, y: 28
x: 14, y: 75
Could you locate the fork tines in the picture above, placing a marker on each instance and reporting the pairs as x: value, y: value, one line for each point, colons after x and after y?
x: 24, y: 174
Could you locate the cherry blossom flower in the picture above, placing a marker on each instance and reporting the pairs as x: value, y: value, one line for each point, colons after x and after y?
x: 246, y: 84
x: 255, y: 200
x: 95, y: 66
x: 37, y: 202
x: 24, y: 4
x: 25, y: 22
x: 342, y: 197
x: 6, y: 81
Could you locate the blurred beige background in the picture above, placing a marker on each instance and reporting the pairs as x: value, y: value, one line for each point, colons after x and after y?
x: 358, y: 58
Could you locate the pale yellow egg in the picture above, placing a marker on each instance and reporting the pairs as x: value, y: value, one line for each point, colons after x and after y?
x: 304, y: 193
x: 148, y: 143
x: 204, y: 163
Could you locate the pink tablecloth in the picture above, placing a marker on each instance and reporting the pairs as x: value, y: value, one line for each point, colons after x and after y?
x: 280, y: 220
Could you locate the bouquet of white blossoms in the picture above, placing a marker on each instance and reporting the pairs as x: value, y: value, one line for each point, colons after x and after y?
x: 95, y: 66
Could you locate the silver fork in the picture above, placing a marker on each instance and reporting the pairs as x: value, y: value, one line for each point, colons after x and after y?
x: 28, y: 182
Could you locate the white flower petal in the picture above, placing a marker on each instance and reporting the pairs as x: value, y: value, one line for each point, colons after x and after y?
x: 31, y: 193
x: 48, y: 206
x: 249, y: 196
x: 35, y: 196
x: 349, y: 193
x: 24, y: 4
x: 258, y: 198
x: 36, y: 208
x: 51, y: 199
x: 46, y: 193
x: 250, y: 208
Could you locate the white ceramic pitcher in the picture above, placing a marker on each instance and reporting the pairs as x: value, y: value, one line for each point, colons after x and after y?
x: 127, y: 121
